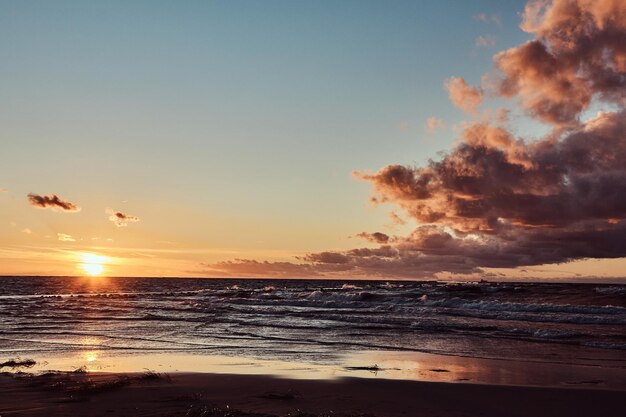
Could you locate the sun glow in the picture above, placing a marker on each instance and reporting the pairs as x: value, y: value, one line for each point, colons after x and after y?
x: 93, y: 264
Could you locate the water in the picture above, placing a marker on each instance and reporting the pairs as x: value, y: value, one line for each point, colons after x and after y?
x: 313, y: 322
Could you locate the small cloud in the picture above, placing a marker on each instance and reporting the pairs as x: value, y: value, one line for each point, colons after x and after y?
x: 433, y: 123
x: 486, y: 18
x: 463, y: 95
x: 120, y: 219
x: 404, y: 127
x: 65, y: 237
x: 376, y: 237
x: 396, y: 219
x: 485, y: 41
x: 52, y: 201
x: 3, y: 190
x: 27, y: 231
x: 13, y: 224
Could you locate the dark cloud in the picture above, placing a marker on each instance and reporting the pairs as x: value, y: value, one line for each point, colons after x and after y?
x: 497, y: 200
x: 491, y: 179
x: 327, y: 258
x: 121, y: 219
x: 247, y: 268
x: 52, y: 201
x: 376, y: 237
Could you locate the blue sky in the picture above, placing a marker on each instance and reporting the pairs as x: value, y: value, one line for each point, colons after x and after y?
x: 229, y: 124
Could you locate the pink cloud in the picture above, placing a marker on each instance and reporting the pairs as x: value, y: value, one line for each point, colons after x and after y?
x: 578, y: 54
x: 463, y: 95
x: 433, y: 123
x: 485, y: 41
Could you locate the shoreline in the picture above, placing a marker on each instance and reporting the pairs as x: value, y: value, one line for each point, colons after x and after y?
x: 234, y: 395
x: 388, y: 365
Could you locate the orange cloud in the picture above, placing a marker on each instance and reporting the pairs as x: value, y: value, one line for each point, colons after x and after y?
x: 463, y: 95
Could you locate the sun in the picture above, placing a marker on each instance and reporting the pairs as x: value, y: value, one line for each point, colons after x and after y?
x: 93, y: 269
x: 93, y: 264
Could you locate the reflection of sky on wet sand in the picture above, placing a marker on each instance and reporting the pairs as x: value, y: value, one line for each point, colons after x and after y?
x: 367, y: 364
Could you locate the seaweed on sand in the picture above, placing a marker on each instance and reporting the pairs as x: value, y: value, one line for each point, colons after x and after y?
x: 374, y: 368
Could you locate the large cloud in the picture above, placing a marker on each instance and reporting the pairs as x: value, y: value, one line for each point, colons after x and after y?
x: 52, y: 201
x: 499, y: 200
x: 579, y: 53
x: 491, y: 179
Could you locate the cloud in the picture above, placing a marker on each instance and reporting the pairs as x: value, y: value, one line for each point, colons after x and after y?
x: 396, y: 219
x: 120, y: 219
x: 3, y: 190
x: 578, y: 54
x: 498, y: 200
x: 252, y: 268
x: 27, y: 231
x: 486, y: 18
x: 491, y: 175
x: 52, y: 201
x: 433, y: 123
x: 376, y: 237
x: 65, y: 237
x: 485, y: 41
x: 463, y: 95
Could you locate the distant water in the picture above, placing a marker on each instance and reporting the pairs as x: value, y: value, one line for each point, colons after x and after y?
x: 313, y: 321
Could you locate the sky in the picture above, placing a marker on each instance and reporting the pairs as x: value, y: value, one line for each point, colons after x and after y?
x: 220, y: 138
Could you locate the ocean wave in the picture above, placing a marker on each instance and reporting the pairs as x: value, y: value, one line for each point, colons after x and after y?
x: 612, y: 290
x: 522, y: 307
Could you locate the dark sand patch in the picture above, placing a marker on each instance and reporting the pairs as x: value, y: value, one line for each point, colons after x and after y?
x: 201, y: 395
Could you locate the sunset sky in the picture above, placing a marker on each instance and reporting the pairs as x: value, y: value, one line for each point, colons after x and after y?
x: 292, y: 139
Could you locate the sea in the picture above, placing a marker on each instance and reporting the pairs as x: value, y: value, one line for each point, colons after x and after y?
x: 312, y: 322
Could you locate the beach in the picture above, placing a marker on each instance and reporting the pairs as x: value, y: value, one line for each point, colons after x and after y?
x: 170, y: 347
x: 313, y: 209
x: 200, y: 394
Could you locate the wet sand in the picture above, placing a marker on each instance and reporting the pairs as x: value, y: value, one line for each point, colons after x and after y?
x: 203, y: 394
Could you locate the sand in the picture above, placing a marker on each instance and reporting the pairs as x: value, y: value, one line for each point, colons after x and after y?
x: 203, y: 394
